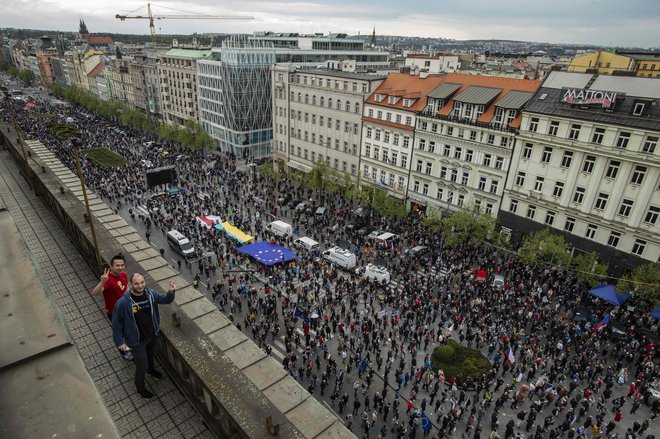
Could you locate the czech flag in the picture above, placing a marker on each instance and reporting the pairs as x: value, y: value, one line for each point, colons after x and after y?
x: 509, y: 359
x: 602, y: 324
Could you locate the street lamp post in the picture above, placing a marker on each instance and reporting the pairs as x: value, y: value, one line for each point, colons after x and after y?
x: 76, y: 158
x: 19, y: 138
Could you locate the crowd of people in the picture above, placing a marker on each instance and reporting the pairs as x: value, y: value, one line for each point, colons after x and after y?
x: 365, y: 347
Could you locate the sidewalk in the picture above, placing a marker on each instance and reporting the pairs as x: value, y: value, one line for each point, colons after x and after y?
x: 70, y: 280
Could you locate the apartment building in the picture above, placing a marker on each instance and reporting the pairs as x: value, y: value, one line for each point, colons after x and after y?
x: 317, y: 114
x: 388, y: 130
x: 463, y: 142
x: 586, y: 165
x: 437, y: 63
x: 177, y: 71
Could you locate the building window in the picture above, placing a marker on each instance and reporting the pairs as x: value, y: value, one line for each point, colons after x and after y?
x: 553, y: 128
x: 638, y: 175
x: 489, y: 209
x: 404, y: 161
x: 639, y: 106
x: 461, y: 200
x: 487, y: 159
x: 534, y: 124
x: 598, y: 135
x: 454, y: 175
x: 491, y: 139
x: 578, y: 196
x: 369, y: 131
x: 613, y: 169
x: 468, y: 155
x: 499, y: 162
x: 473, y: 135
x: 614, y: 238
x: 547, y: 154
x: 527, y: 151
x: 569, y: 225
x: 531, y: 211
x: 513, y: 207
x: 504, y: 141
x: 589, y: 163
x: 458, y: 152
x: 601, y: 201
x: 622, y: 140
x: 550, y: 217
x: 429, y: 165
x: 482, y: 183
x: 419, y: 166
x: 591, y: 231
x: 450, y: 131
x: 626, y: 207
x: 520, y: 179
x: 649, y: 144
x: 638, y: 247
x: 567, y: 159
x: 464, y: 179
x: 652, y: 215
x: 574, y: 132
x: 440, y: 193
x: 416, y: 186
x: 443, y: 172
x: 367, y: 150
x: 494, y: 184
x: 401, y: 183
x: 446, y: 151
x: 538, y: 185
x: 406, y: 141
x: 558, y: 190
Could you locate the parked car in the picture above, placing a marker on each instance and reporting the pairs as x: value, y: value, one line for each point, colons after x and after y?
x: 498, y: 282
x: 374, y: 273
x: 418, y: 251
x: 375, y: 234
x: 301, y: 206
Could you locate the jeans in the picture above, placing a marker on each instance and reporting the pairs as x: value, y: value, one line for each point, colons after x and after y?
x: 143, y: 357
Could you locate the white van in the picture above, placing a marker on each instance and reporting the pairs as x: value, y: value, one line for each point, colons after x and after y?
x: 340, y: 257
x: 319, y: 214
x: 307, y: 243
x: 180, y: 244
x: 374, y: 273
x: 280, y: 228
x: 387, y: 239
x: 498, y: 282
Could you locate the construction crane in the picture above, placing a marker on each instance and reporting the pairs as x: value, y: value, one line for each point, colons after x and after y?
x: 152, y: 17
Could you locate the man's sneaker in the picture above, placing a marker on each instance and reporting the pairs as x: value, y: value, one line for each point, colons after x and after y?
x: 154, y: 373
x: 127, y: 354
x: 146, y: 394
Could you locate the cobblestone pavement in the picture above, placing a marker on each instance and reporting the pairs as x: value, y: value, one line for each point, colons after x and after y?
x: 70, y: 280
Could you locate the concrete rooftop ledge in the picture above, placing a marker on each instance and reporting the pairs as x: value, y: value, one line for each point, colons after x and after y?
x: 225, y: 372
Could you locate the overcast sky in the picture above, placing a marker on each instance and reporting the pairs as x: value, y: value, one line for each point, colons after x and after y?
x: 604, y: 22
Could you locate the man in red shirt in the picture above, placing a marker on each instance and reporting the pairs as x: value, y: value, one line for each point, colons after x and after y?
x: 113, y: 284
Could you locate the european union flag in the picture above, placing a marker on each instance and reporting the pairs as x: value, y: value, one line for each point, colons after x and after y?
x: 426, y: 423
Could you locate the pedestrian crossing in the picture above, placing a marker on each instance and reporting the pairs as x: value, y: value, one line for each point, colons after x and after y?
x: 397, y: 285
x: 279, y: 348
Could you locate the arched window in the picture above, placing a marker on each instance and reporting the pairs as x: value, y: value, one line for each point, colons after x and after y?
x: 299, y: 97
x: 313, y: 99
x: 348, y: 106
x: 293, y: 95
x: 357, y: 107
x: 338, y: 104
x: 321, y: 101
x: 306, y: 98
x: 329, y: 102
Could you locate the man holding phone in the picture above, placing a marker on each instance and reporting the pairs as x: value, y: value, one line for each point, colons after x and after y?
x: 136, y: 325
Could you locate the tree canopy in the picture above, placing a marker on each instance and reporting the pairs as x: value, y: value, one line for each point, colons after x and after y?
x: 643, y: 283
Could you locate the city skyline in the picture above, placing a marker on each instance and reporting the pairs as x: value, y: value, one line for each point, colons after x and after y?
x: 608, y: 23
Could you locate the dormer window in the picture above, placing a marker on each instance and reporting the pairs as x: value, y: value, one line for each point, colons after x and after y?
x: 639, y: 108
x: 408, y: 102
x: 379, y: 98
x: 392, y: 100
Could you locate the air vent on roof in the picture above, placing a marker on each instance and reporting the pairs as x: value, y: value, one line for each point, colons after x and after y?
x: 543, y: 96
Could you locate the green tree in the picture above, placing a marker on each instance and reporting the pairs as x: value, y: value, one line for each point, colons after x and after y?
x: 26, y: 76
x: 432, y: 219
x: 467, y: 225
x: 643, y: 283
x: 13, y: 72
x: 588, y: 268
x: 542, y: 247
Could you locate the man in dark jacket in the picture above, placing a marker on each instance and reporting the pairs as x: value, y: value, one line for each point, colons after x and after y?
x: 136, y: 324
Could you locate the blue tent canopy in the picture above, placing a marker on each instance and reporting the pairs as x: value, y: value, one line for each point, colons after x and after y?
x: 608, y: 294
x: 656, y: 312
x: 267, y: 253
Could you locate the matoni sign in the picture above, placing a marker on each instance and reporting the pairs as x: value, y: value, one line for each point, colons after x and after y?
x: 590, y: 97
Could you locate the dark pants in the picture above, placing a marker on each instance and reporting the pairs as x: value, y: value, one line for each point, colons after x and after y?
x: 143, y: 357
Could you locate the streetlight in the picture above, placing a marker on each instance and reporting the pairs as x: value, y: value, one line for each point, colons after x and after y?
x: 19, y: 138
x: 76, y: 158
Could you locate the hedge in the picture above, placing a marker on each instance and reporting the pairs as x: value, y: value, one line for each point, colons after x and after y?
x: 458, y: 361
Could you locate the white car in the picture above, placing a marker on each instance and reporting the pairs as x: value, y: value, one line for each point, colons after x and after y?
x: 375, y: 234
x: 374, y: 273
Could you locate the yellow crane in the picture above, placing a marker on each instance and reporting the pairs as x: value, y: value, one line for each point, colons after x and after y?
x: 151, y: 17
